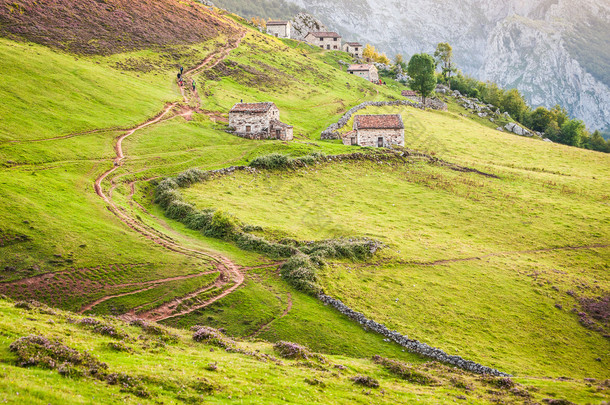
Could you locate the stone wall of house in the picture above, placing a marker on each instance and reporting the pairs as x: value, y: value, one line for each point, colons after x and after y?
x: 331, y: 131
x: 258, y: 122
x: 280, y: 31
x: 413, y: 346
x: 370, y: 137
x: 352, y: 51
x: 365, y: 74
x: 325, y: 43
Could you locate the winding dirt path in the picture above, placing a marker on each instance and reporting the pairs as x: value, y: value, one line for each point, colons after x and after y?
x: 266, y: 326
x: 230, y: 272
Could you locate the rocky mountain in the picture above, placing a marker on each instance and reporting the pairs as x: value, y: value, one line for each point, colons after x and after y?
x: 554, y: 51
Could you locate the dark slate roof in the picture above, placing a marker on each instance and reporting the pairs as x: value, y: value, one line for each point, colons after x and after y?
x: 381, y: 121
x: 277, y: 22
x: 325, y: 34
x: 252, y: 107
x: 359, y: 67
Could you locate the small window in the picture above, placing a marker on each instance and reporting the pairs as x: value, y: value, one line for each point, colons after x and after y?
x: 335, y: 46
x: 380, y: 142
x: 356, y: 49
x: 335, y: 39
x: 248, y: 128
x: 327, y: 46
x: 321, y: 39
x: 322, y: 46
x: 278, y: 132
x: 353, y: 140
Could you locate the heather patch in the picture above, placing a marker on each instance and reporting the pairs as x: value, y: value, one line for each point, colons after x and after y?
x: 365, y: 381
x: 35, y: 350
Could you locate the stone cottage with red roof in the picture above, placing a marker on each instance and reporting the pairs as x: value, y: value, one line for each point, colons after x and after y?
x: 258, y: 121
x: 368, y: 72
x: 378, y: 131
x: 325, y: 40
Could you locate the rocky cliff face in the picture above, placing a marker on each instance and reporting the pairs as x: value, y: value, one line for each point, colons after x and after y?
x: 554, y: 51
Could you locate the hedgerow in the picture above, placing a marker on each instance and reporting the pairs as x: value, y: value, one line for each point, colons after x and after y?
x: 303, y: 258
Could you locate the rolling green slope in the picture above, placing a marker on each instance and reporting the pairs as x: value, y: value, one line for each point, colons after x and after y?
x: 478, y: 266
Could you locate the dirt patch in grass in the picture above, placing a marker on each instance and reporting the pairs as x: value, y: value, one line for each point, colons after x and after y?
x: 110, y: 26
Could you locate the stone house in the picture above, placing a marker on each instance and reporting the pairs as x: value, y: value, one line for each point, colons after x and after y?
x: 325, y: 40
x: 378, y: 131
x: 279, y: 29
x: 354, y: 48
x: 368, y: 72
x: 258, y: 121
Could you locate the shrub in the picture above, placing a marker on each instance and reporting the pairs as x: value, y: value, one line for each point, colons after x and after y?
x: 35, y: 350
x: 191, y: 176
x: 365, y: 381
x: 273, y: 161
x: 167, y: 197
x: 199, y: 220
x: 213, y: 337
x: 299, y: 272
x: 178, y: 210
x: 222, y: 225
x: 255, y: 243
x: 289, y: 350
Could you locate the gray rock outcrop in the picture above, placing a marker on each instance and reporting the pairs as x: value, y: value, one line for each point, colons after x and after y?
x: 304, y: 23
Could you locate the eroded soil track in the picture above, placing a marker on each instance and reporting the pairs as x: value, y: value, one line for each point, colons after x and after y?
x: 231, y: 276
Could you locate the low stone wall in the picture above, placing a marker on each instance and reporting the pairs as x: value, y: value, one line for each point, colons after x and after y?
x: 331, y: 131
x: 413, y: 346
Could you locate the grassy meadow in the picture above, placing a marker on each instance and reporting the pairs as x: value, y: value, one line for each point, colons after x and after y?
x: 477, y: 266
x: 169, y: 366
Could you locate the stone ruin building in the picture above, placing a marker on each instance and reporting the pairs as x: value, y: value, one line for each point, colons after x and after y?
x: 258, y: 121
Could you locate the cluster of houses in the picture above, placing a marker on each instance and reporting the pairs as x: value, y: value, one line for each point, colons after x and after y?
x: 262, y: 120
x: 330, y: 41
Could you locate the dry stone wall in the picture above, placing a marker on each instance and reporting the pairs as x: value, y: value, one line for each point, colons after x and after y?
x: 413, y: 346
x: 332, y: 131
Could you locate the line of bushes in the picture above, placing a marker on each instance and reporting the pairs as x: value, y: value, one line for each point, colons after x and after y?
x: 303, y: 259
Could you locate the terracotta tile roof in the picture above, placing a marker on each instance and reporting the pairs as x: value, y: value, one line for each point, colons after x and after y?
x: 278, y: 22
x: 325, y: 34
x: 252, y: 107
x: 354, y: 44
x: 359, y: 67
x: 388, y: 121
x: 409, y: 93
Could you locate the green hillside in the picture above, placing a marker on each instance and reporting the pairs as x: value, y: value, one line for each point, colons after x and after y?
x: 508, y: 269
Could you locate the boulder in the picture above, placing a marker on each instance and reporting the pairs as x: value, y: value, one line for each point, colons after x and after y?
x: 500, y: 129
x: 482, y: 114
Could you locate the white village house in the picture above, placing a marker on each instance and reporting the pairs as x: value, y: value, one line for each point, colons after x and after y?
x: 259, y: 121
x: 379, y: 131
x: 279, y: 29
x: 325, y: 40
x: 354, y: 48
x: 368, y: 72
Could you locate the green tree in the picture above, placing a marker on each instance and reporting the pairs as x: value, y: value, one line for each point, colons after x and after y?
x: 444, y: 58
x: 598, y: 143
x: 514, y: 103
x: 540, y: 119
x: 421, y: 71
x: 572, y: 132
x: 560, y: 114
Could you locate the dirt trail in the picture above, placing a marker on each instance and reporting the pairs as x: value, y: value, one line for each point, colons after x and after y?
x: 230, y: 272
x: 265, y: 326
